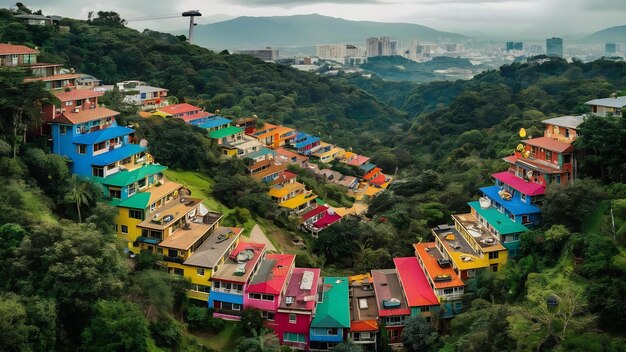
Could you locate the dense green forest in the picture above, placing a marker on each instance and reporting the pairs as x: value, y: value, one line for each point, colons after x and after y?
x: 67, y: 284
x: 398, y: 68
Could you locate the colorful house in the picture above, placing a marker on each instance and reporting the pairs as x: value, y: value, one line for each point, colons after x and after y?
x: 286, y: 156
x: 145, y: 96
x: 248, y: 124
x: 295, y: 312
x: 482, y: 241
x: 465, y: 261
x: 445, y: 282
x: 392, y: 307
x: 419, y: 295
x: 328, y: 152
x: 491, y: 220
x: 267, y: 287
x: 187, y: 112
x: 332, y: 315
x: 227, y: 137
x: 273, y: 135
x: 363, y: 311
x: 305, y: 143
x: 206, y: 259
x: 266, y: 170
x: 230, y: 280
x: 92, y: 140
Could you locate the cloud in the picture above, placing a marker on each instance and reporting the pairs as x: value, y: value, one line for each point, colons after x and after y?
x: 295, y: 3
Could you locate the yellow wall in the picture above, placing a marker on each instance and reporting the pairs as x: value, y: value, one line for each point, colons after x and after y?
x: 133, y: 231
x: 502, y: 253
x: 229, y: 152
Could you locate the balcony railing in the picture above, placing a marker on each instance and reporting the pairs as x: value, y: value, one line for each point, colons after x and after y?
x: 178, y: 260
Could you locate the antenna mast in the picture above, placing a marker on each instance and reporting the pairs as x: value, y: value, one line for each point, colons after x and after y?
x: 191, y: 14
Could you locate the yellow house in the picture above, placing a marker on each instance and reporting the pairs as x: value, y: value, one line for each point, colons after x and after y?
x: 328, y: 152
x: 197, y: 257
x: 482, y: 241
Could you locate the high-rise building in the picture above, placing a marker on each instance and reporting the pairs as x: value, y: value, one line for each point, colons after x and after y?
x: 379, y: 46
x: 554, y: 47
x: 514, y: 46
x: 267, y: 54
x: 611, y: 48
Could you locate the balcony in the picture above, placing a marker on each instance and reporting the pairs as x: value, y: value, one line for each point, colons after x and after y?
x: 178, y: 260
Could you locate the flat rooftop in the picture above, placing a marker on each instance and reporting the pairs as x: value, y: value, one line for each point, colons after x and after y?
x: 271, y: 276
x: 213, y: 249
x: 460, y: 251
x: 440, y: 275
x: 302, y: 288
x: 363, y: 306
x: 241, y: 263
x: 176, y: 209
x: 389, y: 293
x: 480, y: 234
x: 186, y: 236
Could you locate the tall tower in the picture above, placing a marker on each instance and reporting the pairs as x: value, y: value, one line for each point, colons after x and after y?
x: 191, y: 14
x: 554, y: 47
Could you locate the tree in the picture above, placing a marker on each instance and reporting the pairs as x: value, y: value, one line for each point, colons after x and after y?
x: 265, y: 341
x: 116, y: 326
x: 417, y: 333
x: 20, y: 105
x: 79, y: 194
x: 251, y: 322
x: 12, y: 324
x: 569, y: 205
x: 347, y: 347
x: 109, y: 18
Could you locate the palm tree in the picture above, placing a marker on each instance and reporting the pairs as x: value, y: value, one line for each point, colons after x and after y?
x: 79, y: 194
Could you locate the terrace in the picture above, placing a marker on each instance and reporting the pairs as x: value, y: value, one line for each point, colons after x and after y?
x: 242, y: 263
x: 478, y: 232
x: 171, y: 213
x: 301, y: 290
x: 192, y: 232
x: 363, y: 309
x: 214, y: 248
x: 461, y: 253
x: 389, y: 296
x: 438, y: 270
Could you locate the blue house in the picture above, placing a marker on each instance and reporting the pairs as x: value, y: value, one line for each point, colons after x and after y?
x: 332, y: 315
x: 94, y: 143
x: 212, y: 123
x: 305, y: 143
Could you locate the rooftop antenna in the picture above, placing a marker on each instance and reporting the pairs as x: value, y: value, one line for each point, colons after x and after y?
x: 191, y: 14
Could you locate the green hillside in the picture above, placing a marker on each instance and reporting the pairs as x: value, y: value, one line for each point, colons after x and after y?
x: 303, y: 30
x: 397, y: 68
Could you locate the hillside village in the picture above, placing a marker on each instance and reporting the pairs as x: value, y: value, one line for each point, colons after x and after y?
x: 305, y: 309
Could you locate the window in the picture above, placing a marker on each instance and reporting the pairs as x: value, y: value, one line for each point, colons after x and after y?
x: 124, y: 229
x: 111, y: 166
x: 180, y: 272
x: 81, y: 148
x: 97, y: 171
x: 268, y: 298
x: 142, y: 183
x: 152, y: 207
x: 200, y: 272
x: 493, y: 255
x: 132, y: 189
x: 201, y: 288
x: 424, y: 309
x: 494, y: 267
x: 99, y: 146
x: 567, y: 159
x: 268, y: 315
x: 236, y: 306
x: 548, y: 155
x: 522, y: 196
x: 254, y: 295
x: 172, y: 253
x: 292, y: 318
x: 447, y: 291
x: 63, y: 130
x: 79, y: 103
x: 69, y: 103
x: 525, y: 219
x: 115, y: 193
x: 331, y: 331
x: 216, y: 284
x: 293, y: 337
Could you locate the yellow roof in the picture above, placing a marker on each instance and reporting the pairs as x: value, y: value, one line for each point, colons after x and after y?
x: 349, y: 155
x: 464, y: 261
x: 360, y: 278
x: 158, y: 192
x: 372, y: 191
x: 297, y: 200
x: 279, y: 191
x: 161, y: 113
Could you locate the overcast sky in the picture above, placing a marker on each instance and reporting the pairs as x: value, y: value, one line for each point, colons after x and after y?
x: 515, y: 18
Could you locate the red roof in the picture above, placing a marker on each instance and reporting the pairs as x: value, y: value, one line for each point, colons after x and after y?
x: 550, y: 144
x: 75, y: 118
x: 358, y: 160
x: 417, y: 290
x: 302, y: 296
x: 7, y: 49
x: 284, y: 177
x: 372, y: 173
x: 320, y: 209
x: 526, y: 187
x: 182, y: 108
x: 379, y: 180
x: 77, y: 94
x: 327, y: 220
x: 275, y: 280
x: 363, y: 325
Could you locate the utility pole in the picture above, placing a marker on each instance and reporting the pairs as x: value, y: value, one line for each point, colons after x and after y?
x: 191, y: 14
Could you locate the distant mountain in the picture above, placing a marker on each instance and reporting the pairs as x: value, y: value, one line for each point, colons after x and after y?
x: 441, y: 68
x: 305, y: 30
x: 615, y: 34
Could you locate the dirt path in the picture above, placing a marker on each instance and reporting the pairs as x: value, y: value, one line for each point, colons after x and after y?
x: 257, y: 235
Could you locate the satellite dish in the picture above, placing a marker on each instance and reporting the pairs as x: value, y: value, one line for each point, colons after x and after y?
x: 143, y: 143
x: 522, y: 132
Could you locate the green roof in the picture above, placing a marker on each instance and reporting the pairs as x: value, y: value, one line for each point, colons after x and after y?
x: 125, y: 178
x: 138, y: 201
x: 225, y: 132
x: 334, y: 310
x: 497, y: 220
x: 319, y: 201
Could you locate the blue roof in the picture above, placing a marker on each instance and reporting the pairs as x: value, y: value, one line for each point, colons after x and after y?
x: 214, y: 122
x: 367, y: 167
x: 102, y: 135
x: 117, y: 154
x: 303, y: 139
x: 261, y: 152
x: 515, y: 206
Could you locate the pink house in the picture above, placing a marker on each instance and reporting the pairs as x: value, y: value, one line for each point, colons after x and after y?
x: 267, y: 287
x: 296, y: 309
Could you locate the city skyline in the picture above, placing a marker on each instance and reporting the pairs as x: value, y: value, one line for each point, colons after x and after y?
x: 531, y: 19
